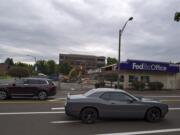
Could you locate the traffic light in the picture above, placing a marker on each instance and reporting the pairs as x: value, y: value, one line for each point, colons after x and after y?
x: 177, y: 16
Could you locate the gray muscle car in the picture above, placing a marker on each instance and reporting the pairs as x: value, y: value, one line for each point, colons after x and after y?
x: 113, y: 103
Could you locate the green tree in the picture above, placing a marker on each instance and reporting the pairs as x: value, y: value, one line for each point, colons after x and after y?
x: 111, y: 61
x: 9, y: 62
x: 29, y: 67
x: 42, y: 66
x: 19, y: 72
x: 51, y: 67
x: 177, y: 16
x: 65, y: 68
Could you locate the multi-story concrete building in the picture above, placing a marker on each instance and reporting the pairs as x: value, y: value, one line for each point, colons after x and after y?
x: 87, y: 61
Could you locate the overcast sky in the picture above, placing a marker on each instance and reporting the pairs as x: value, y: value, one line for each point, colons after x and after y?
x: 45, y: 28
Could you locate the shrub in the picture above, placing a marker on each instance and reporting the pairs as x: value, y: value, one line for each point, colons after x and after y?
x: 138, y: 85
x: 155, y: 85
x: 120, y: 86
x: 19, y: 72
x: 112, y: 77
x: 96, y: 85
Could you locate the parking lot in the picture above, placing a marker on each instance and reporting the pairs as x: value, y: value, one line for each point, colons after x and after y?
x: 34, y: 117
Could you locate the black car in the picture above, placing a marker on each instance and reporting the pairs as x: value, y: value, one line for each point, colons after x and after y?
x: 35, y: 87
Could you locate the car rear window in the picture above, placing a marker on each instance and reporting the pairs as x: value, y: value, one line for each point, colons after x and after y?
x: 31, y: 81
x: 19, y: 81
x: 89, y: 93
x: 106, y: 96
x: 42, y: 82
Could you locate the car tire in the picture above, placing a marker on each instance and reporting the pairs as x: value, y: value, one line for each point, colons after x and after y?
x: 42, y: 95
x: 89, y: 116
x: 153, y: 115
x: 3, y: 95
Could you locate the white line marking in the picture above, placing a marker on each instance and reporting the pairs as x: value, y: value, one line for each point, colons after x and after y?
x: 174, y: 109
x: 62, y: 122
x: 57, y: 108
x: 29, y: 113
x: 56, y: 99
x: 55, y: 112
x: 164, y: 96
x: 73, y: 89
x: 169, y: 100
x: 62, y: 108
x: 145, y: 132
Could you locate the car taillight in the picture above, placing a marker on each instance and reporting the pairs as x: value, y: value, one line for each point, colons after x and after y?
x: 53, y: 87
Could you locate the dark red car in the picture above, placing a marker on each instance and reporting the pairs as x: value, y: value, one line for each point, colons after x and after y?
x: 36, y: 87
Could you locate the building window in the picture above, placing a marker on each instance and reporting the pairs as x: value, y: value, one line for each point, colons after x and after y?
x: 133, y: 78
x: 145, y: 79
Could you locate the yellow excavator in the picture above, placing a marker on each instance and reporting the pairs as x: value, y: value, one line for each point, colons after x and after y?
x: 75, y: 73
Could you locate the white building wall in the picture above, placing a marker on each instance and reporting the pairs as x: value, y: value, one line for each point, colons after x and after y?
x: 177, y: 80
x: 170, y: 81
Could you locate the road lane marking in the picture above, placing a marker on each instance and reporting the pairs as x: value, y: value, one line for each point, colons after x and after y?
x: 62, y: 108
x: 52, y: 112
x: 62, y: 122
x: 57, y: 108
x: 174, y: 109
x: 170, y: 100
x: 56, y: 99
x: 31, y: 113
x: 164, y: 96
x: 145, y: 132
x: 29, y: 102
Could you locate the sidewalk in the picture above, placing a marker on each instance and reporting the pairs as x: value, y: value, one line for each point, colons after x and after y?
x: 75, y: 88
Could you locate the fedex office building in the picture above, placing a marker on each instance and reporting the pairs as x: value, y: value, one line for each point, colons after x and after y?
x: 147, y: 71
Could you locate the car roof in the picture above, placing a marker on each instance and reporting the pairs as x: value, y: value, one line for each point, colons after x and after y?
x: 102, y: 90
x: 107, y: 90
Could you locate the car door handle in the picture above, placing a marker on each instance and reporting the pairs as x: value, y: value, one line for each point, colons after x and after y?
x: 112, y: 103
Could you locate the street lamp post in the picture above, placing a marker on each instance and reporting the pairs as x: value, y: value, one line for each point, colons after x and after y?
x: 34, y: 61
x: 119, y: 50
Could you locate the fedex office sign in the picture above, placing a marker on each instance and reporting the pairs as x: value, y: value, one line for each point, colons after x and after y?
x: 150, y: 67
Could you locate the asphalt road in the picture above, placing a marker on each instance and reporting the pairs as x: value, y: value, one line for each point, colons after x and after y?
x: 33, y: 117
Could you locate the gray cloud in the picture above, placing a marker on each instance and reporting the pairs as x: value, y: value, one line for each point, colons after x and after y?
x: 44, y: 28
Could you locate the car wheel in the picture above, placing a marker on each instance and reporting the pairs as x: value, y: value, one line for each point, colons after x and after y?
x: 42, y: 95
x: 89, y: 115
x: 3, y: 95
x: 153, y: 115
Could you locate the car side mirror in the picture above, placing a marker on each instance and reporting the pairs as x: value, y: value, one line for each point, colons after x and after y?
x: 131, y: 101
x: 13, y: 84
